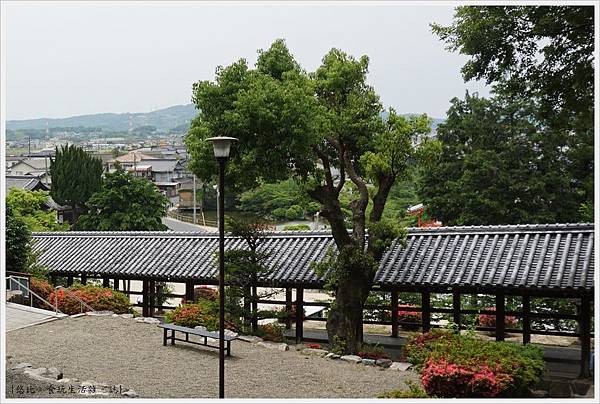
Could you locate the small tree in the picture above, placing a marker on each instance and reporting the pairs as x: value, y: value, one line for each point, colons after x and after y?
x: 18, y: 238
x: 125, y: 203
x: 29, y: 206
x: 75, y: 177
x: 243, y: 268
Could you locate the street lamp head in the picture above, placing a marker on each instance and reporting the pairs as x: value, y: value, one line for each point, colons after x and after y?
x: 221, y: 145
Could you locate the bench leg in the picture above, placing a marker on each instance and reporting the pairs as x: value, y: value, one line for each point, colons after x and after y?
x: 172, y: 337
x: 187, y: 337
x: 228, y: 348
x: 165, y: 337
x: 205, y: 341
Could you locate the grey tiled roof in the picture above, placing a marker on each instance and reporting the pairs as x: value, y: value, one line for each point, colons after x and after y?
x: 531, y: 256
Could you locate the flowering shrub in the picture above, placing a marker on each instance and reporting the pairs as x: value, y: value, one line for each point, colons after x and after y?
x: 206, y: 292
x: 98, y: 298
x: 372, y: 352
x: 204, y: 313
x: 408, y: 316
x: 489, y: 320
x: 271, y: 332
x: 455, y: 365
x: 445, y: 379
x: 313, y: 346
x: 42, y: 288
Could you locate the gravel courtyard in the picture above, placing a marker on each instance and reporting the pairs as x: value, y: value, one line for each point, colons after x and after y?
x: 114, y: 350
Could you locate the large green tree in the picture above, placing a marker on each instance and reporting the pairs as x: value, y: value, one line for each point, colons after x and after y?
x: 124, y: 203
x: 75, y: 177
x: 494, y: 166
x: 31, y: 207
x: 544, y: 54
x: 323, y: 129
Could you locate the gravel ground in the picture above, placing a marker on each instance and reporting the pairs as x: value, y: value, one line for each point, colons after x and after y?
x: 114, y: 350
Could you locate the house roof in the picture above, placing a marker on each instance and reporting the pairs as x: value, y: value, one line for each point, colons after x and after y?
x: 133, y: 157
x: 163, y: 165
x: 26, y: 182
x: 538, y: 257
x: 37, y: 163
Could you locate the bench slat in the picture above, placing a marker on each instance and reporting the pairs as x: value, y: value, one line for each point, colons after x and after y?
x: 194, y: 331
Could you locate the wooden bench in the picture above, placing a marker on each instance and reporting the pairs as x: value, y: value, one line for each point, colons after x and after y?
x: 187, y: 331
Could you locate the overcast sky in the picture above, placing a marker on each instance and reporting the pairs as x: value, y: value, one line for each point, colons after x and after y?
x: 65, y: 59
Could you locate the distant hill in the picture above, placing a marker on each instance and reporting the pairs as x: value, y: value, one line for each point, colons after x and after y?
x: 176, y: 118
x: 163, y: 119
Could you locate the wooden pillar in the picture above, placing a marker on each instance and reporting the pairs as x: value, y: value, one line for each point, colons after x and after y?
x: 395, y: 314
x: 145, y: 298
x: 254, y: 318
x: 69, y: 280
x: 105, y: 282
x: 500, y: 316
x: 83, y: 279
x: 456, y: 309
x: 116, y: 283
x: 152, y: 300
x: 585, y: 316
x: 299, y: 314
x: 288, y: 307
x: 189, y: 292
x: 426, y: 310
x: 526, y: 303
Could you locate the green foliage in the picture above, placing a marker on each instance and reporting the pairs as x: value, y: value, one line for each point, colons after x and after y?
x: 497, y: 166
x: 414, y: 391
x: 524, y: 363
x: 335, y: 266
x: 586, y: 211
x: 29, y: 206
x: 296, y: 227
x: 125, y: 203
x: 243, y: 268
x: 339, y: 346
x: 542, y: 54
x: 270, y: 197
x: 294, y: 212
x: 320, y: 129
x: 75, y: 176
x: 18, y: 237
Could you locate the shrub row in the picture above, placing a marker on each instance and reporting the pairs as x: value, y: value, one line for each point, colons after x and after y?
x: 99, y: 298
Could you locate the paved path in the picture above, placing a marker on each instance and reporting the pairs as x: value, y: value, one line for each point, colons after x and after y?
x: 177, y: 225
x: 19, y: 316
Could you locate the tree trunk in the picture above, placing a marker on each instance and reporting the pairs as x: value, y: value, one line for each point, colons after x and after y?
x: 344, y: 322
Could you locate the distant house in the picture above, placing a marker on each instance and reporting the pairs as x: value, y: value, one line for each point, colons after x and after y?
x: 38, y: 167
x: 130, y: 159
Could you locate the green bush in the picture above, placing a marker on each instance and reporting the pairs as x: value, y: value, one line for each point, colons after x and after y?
x: 296, y: 227
x: 522, y: 365
x: 279, y: 213
x: 294, y: 212
x: 414, y: 391
x: 204, y: 313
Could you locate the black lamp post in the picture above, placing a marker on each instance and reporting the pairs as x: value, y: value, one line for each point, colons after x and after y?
x: 221, y: 147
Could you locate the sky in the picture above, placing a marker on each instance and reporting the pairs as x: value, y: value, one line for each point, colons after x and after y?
x: 74, y: 58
